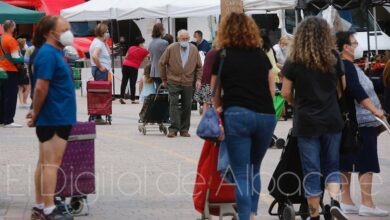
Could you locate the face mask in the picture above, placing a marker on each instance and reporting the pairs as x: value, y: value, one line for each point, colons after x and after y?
x: 106, y: 35
x: 66, y: 38
x: 184, y: 44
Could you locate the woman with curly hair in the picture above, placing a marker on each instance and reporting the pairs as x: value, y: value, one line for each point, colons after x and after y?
x: 248, y: 85
x: 313, y: 70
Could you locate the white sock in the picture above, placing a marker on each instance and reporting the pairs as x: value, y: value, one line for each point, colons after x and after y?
x: 49, y: 210
x: 40, y: 206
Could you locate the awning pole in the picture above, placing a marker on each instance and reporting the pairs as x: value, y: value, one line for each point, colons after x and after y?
x: 375, y: 29
x: 368, y: 34
x: 112, y: 56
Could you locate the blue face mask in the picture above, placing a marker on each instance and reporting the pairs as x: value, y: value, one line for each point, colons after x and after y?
x: 184, y: 44
x: 106, y: 35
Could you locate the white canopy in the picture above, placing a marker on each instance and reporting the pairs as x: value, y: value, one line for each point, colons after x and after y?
x: 132, y: 9
x: 253, y: 6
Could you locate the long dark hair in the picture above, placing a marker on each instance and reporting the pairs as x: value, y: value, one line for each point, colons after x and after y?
x: 157, y: 30
x: 45, y: 25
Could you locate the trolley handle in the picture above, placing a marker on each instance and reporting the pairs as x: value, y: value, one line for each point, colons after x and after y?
x: 384, y: 123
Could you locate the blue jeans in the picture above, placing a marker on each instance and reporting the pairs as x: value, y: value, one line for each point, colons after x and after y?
x: 320, y: 158
x: 248, y: 136
x: 99, y: 75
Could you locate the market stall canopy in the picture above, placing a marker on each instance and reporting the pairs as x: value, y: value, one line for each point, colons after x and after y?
x: 253, y: 6
x: 171, y: 8
x: 19, y: 15
x: 50, y: 7
x: 121, y: 9
x: 338, y: 4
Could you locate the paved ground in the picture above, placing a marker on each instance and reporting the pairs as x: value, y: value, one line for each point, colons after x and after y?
x: 138, y: 177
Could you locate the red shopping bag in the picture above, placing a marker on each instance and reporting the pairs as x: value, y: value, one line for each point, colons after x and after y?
x: 209, y: 179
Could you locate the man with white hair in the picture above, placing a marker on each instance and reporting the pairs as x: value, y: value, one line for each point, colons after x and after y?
x: 179, y: 66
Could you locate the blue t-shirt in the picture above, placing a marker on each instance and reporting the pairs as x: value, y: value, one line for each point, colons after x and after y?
x: 60, y: 105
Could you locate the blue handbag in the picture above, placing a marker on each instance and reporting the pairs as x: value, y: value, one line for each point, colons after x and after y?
x: 209, y: 126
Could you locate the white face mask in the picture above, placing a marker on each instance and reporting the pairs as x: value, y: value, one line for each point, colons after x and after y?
x: 66, y: 38
x: 184, y: 44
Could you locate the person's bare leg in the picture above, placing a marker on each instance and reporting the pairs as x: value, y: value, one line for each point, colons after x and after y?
x: 20, y: 94
x: 314, y: 206
x: 346, y: 189
x: 53, y: 152
x: 38, y: 177
x: 252, y: 216
x: 365, y: 180
x: 334, y: 190
x: 26, y: 93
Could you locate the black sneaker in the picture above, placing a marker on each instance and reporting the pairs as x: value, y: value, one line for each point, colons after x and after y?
x: 57, y: 215
x: 36, y: 214
x: 336, y: 211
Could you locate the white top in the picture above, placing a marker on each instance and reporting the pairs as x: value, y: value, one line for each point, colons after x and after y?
x: 281, y: 55
x: 104, y: 56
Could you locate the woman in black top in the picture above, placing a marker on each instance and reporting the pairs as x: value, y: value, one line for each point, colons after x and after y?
x: 248, y: 88
x: 311, y: 69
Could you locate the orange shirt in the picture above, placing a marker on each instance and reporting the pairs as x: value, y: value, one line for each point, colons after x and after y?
x: 10, y: 45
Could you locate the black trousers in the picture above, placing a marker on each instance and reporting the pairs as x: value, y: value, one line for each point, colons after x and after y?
x: 8, y: 98
x: 129, y: 74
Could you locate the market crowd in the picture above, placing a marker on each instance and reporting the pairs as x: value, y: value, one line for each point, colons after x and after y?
x: 315, y: 72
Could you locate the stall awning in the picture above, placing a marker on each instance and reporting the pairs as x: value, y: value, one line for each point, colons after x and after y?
x: 50, y: 7
x: 19, y: 15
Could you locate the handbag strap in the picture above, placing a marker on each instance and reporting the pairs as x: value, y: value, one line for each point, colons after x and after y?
x: 6, y: 55
x: 218, y: 81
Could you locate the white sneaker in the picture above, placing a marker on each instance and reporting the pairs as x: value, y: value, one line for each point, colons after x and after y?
x: 375, y: 211
x: 13, y: 125
x: 349, y: 209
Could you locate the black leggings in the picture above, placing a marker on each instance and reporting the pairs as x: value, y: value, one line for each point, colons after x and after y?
x: 129, y: 73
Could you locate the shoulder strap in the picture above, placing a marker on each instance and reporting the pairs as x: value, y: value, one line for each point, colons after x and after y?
x: 222, y: 55
x: 7, y: 56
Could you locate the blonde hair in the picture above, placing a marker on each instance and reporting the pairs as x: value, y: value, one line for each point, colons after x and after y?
x: 147, y: 77
x: 101, y: 29
x: 238, y: 30
x: 21, y: 42
x: 313, y: 44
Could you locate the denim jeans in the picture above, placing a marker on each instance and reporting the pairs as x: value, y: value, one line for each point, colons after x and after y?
x: 99, y: 75
x: 320, y: 158
x: 248, y: 135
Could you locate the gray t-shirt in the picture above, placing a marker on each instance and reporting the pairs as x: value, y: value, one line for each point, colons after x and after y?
x: 104, y: 56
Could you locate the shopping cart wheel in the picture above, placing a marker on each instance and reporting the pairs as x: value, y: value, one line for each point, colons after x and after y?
x: 77, y: 205
x: 289, y: 213
x: 144, y: 131
x: 304, y: 211
x: 280, y: 143
x: 280, y: 210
